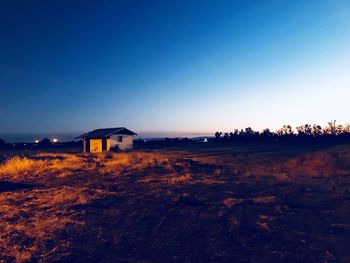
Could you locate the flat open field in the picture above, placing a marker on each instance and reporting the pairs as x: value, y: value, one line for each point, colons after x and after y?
x: 243, y: 203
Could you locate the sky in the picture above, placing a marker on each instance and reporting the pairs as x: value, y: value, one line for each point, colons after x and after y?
x: 172, y: 67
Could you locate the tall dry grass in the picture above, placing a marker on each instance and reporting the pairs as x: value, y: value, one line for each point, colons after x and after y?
x: 17, y: 165
x: 60, y: 165
x: 317, y: 164
x: 133, y: 161
x: 323, y: 163
x: 25, y: 168
x: 33, y: 223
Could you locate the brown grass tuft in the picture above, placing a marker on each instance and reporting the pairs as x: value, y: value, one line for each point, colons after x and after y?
x: 229, y: 202
x: 25, y: 168
x: 32, y: 219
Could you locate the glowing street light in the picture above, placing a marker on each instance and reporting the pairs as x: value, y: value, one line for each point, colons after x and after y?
x: 36, y: 141
x: 54, y: 140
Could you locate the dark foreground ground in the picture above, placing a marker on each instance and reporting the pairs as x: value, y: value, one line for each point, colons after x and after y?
x: 242, y: 203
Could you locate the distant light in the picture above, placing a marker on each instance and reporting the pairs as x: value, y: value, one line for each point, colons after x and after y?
x: 54, y: 140
x: 205, y: 140
x: 36, y: 141
x: 144, y: 140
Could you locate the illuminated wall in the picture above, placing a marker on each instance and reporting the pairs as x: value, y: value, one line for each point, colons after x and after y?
x: 125, y: 143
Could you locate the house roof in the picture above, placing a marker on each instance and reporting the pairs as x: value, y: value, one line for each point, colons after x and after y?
x: 102, y: 133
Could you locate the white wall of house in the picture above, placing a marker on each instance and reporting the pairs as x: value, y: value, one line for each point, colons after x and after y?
x: 125, y: 143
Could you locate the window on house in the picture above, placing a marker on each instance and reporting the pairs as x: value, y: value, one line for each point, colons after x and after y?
x: 120, y: 138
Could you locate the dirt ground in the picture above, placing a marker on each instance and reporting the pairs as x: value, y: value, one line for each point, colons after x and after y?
x: 242, y: 203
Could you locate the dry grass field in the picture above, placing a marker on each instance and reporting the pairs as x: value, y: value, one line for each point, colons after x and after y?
x: 206, y: 204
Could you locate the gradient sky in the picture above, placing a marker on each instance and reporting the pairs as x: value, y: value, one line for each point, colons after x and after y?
x: 176, y: 66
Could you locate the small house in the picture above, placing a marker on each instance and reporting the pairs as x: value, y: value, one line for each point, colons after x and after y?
x: 104, y: 139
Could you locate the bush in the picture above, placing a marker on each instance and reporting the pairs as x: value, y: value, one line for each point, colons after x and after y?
x: 2, y: 143
x: 45, y: 142
x: 114, y: 148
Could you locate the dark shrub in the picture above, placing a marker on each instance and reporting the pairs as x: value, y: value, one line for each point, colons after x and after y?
x: 114, y: 148
x: 45, y: 142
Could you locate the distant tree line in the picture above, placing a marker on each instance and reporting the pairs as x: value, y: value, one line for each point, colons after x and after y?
x: 44, y: 143
x: 307, y: 132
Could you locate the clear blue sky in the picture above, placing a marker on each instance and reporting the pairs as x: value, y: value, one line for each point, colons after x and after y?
x: 176, y: 66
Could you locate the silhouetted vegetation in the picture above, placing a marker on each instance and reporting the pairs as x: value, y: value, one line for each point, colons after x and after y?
x: 304, y: 133
x: 2, y: 143
x: 45, y: 142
